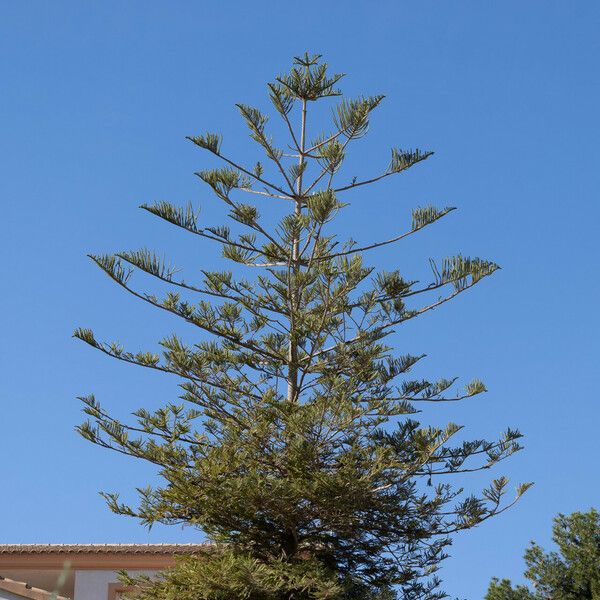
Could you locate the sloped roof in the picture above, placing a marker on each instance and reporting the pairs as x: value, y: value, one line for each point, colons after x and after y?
x: 101, y: 548
x: 24, y: 590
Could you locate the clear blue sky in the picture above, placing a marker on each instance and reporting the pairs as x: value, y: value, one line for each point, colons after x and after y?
x: 96, y: 100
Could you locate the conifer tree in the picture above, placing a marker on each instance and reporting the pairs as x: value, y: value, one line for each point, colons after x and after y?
x: 572, y: 573
x: 293, y: 445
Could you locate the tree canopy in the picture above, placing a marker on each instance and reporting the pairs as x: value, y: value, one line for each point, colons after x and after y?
x: 571, y: 573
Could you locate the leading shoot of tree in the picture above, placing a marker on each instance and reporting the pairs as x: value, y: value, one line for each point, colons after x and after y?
x: 294, y: 447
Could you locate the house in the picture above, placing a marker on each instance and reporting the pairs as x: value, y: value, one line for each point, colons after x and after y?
x: 79, y: 571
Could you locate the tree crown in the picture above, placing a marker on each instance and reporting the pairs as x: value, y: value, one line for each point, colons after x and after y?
x: 571, y: 573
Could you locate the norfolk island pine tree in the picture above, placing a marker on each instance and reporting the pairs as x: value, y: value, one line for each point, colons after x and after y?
x: 293, y: 444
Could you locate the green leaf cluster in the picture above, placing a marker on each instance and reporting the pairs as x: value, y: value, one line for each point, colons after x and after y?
x: 571, y: 572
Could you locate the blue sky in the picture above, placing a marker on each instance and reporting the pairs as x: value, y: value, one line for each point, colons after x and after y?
x: 96, y: 101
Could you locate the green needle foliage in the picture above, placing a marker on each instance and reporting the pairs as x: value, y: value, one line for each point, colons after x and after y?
x: 293, y: 446
x: 572, y: 573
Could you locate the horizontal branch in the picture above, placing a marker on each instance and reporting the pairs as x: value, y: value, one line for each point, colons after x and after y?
x: 193, y: 377
x: 242, y: 169
x: 241, y: 300
x: 386, y: 242
x: 417, y: 159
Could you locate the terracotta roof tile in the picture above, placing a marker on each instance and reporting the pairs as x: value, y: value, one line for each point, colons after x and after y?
x: 101, y: 548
